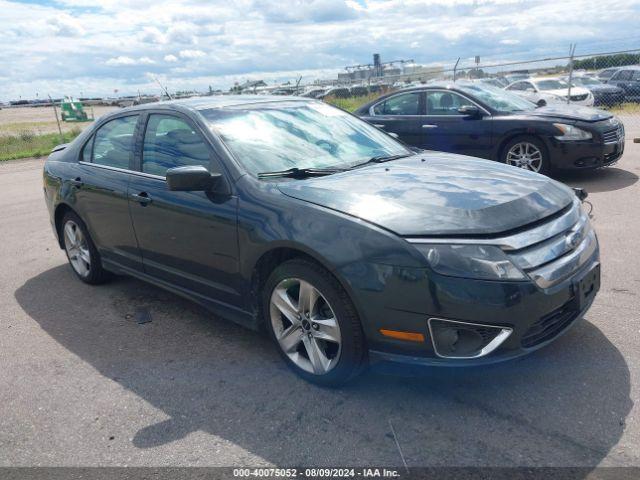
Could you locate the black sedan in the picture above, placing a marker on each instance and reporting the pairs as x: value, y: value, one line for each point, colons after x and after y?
x: 346, y: 246
x: 603, y: 94
x: 486, y: 122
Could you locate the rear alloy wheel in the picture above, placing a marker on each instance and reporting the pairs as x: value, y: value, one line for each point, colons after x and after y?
x: 526, y: 153
x: 314, y: 323
x: 77, y: 249
x: 81, y: 251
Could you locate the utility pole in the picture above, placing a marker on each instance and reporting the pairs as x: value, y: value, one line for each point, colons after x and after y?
x: 572, y: 50
x: 55, y: 112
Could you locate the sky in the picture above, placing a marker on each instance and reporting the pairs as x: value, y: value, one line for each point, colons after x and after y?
x: 95, y: 47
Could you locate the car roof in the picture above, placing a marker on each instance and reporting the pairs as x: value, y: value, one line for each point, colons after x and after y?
x: 217, y: 101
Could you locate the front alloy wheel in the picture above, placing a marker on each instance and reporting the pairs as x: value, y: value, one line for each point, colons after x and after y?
x: 305, y: 326
x: 525, y: 155
x: 314, y: 323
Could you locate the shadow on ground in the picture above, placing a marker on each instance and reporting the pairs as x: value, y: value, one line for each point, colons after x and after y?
x: 564, y: 405
x: 606, y: 179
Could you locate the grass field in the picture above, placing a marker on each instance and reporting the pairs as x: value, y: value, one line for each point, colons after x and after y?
x: 350, y: 104
x: 27, y: 144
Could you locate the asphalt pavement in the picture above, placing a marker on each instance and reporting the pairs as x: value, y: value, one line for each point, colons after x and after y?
x: 82, y: 383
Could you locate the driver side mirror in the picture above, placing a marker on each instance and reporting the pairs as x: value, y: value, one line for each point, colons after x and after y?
x: 193, y: 179
x: 470, y: 111
x: 542, y: 102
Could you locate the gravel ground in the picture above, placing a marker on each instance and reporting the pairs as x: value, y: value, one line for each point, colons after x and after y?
x: 39, y: 120
x: 82, y: 383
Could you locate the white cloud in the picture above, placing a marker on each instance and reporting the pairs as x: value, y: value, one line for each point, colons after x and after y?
x: 64, y: 47
x: 65, y: 25
x: 191, y: 54
x: 122, y: 60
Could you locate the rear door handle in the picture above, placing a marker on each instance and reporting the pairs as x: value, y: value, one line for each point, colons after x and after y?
x: 142, y: 198
x: 429, y: 125
x: 76, y: 182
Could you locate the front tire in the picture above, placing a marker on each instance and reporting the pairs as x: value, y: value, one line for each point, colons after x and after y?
x: 313, y: 323
x: 528, y: 153
x: 81, y: 251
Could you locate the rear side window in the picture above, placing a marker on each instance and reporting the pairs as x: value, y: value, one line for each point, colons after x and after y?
x: 113, y: 142
x: 407, y: 104
x: 445, y: 103
x: 636, y: 75
x: 171, y: 142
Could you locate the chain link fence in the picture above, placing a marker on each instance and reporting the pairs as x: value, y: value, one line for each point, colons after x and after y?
x: 608, y: 81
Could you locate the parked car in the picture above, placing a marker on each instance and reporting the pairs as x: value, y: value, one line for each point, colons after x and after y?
x: 606, y: 74
x: 486, y: 122
x: 359, y: 91
x: 338, y: 92
x: 603, y: 94
x: 550, y: 90
x: 314, y: 93
x: 627, y: 78
x: 341, y: 242
x: 493, y: 82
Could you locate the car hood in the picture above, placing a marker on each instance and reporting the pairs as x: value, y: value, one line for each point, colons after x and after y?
x: 571, y: 112
x: 563, y: 92
x: 444, y: 194
x: 605, y: 89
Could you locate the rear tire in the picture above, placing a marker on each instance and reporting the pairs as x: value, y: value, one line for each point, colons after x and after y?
x: 527, y: 152
x: 82, y: 253
x: 313, y: 323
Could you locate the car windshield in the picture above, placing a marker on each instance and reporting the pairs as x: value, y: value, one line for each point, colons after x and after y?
x: 498, y: 99
x: 586, y: 81
x: 284, y: 135
x: 551, y: 84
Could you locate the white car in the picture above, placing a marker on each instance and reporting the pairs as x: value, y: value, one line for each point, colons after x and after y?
x: 551, y: 90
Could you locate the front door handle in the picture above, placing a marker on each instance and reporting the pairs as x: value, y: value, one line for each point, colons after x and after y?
x: 76, y: 182
x: 429, y: 125
x: 379, y: 125
x: 142, y: 198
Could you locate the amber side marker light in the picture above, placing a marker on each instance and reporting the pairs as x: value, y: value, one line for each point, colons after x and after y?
x: 409, y: 336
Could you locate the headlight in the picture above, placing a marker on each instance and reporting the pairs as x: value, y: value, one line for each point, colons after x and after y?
x: 484, y: 262
x: 569, y: 132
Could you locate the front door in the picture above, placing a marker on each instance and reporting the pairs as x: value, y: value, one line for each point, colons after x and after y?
x: 187, y: 239
x: 447, y: 130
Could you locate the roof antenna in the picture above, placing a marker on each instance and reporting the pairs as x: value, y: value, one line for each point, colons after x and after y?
x: 164, y: 89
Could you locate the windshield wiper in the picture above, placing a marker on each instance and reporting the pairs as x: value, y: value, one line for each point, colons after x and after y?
x: 382, y: 159
x: 296, y: 172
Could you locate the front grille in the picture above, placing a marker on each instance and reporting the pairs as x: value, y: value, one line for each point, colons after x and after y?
x: 613, y: 136
x: 549, y: 326
x: 579, y: 98
x: 554, y: 251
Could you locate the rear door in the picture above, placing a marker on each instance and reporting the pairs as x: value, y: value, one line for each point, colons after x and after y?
x: 187, y: 239
x: 624, y: 80
x: 400, y: 114
x: 100, y: 184
x: 447, y: 130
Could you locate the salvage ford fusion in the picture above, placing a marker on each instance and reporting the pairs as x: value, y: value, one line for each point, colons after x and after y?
x: 347, y: 247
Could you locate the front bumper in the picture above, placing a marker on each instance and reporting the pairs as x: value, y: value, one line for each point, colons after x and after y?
x: 536, y: 311
x: 584, y: 155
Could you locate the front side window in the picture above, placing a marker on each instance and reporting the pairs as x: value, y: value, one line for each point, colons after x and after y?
x: 445, y: 103
x: 407, y: 104
x: 292, y: 134
x: 113, y: 142
x: 171, y: 142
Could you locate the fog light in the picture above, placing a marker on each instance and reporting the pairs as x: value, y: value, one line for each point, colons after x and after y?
x: 454, y: 339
